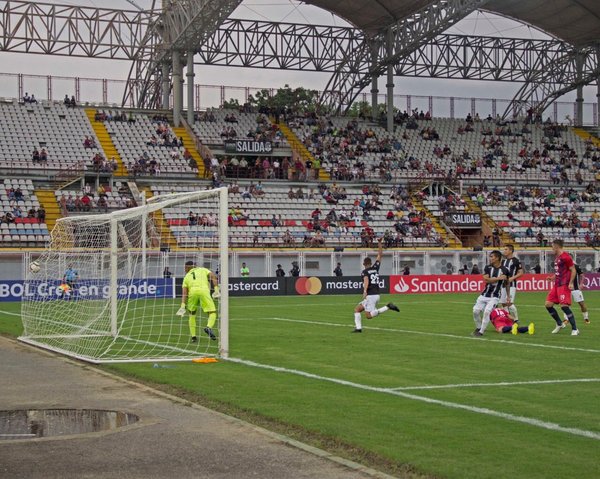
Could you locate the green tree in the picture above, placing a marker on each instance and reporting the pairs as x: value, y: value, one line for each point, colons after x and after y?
x: 299, y: 99
x: 232, y: 104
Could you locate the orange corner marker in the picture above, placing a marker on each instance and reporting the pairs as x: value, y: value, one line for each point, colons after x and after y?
x: 204, y: 360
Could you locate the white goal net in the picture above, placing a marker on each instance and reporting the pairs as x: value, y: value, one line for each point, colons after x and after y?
x: 108, y: 287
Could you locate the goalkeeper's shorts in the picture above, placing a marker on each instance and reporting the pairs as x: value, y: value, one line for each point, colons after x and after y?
x: 202, y: 299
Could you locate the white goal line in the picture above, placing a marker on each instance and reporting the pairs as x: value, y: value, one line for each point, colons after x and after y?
x: 447, y: 404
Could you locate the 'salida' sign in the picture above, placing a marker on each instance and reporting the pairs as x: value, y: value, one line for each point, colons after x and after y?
x: 249, y: 147
x: 463, y: 220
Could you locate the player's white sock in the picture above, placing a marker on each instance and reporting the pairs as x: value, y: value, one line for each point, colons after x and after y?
x: 374, y: 313
x: 383, y: 309
x: 484, y: 323
x: 512, y: 309
x: 357, y: 321
x: 477, y: 319
x: 586, y: 315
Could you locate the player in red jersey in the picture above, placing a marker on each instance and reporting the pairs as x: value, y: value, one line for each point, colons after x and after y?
x: 505, y: 323
x: 564, y: 277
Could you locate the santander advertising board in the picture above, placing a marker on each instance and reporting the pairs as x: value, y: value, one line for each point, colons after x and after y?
x: 440, y: 283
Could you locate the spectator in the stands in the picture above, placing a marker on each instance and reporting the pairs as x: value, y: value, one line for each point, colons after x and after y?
x: 475, y: 269
x: 279, y: 272
x: 103, y: 204
x: 288, y: 239
x: 43, y: 155
x: 41, y: 214
x: 86, y: 203
x: 88, y: 142
x: 35, y: 156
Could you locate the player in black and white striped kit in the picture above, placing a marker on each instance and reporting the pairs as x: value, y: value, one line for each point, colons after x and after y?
x: 515, y: 270
x: 495, y: 276
x: 577, y: 296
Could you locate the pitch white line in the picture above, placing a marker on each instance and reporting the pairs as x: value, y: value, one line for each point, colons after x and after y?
x: 474, y: 409
x: 442, y: 335
x: 514, y: 383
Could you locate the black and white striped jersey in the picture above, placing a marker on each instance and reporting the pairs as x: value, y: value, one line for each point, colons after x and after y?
x: 492, y: 290
x: 577, y: 277
x: 513, y: 265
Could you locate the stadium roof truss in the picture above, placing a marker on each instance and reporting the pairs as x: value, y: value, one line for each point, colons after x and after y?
x: 404, y: 36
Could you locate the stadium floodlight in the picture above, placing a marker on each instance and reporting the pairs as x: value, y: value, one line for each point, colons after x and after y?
x: 122, y: 276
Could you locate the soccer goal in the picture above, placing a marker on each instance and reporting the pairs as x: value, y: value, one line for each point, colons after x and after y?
x: 108, y: 286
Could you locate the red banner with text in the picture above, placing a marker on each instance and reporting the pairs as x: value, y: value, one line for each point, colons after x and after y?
x: 441, y: 283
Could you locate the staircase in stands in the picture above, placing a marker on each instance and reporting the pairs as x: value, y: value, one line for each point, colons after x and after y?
x: 449, y: 237
x: 300, y: 149
x: 47, y: 199
x: 190, y: 145
x: 486, y: 220
x: 587, y: 134
x: 166, y: 236
x: 109, y: 148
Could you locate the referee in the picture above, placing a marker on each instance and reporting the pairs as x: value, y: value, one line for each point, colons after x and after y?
x: 196, y: 292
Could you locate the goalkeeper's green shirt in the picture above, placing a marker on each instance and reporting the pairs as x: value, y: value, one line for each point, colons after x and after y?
x: 197, y: 280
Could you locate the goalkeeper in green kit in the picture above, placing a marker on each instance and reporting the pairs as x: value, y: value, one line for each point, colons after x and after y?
x: 196, y: 292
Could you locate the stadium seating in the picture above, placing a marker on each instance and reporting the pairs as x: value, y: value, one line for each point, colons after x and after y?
x: 24, y: 231
x: 131, y: 141
x: 61, y: 131
x: 255, y: 227
x: 116, y: 199
x: 526, y: 229
x: 210, y: 125
x: 407, y: 154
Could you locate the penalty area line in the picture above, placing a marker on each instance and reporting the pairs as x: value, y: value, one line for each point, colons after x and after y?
x: 440, y: 335
x: 447, y: 404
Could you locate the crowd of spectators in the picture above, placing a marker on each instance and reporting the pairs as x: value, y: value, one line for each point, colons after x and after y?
x: 16, y: 210
x: 563, y: 208
x: 87, y: 200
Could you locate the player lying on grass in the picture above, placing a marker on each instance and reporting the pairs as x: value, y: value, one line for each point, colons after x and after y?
x: 503, y: 321
x: 64, y: 291
x: 196, y: 292
x: 370, y: 277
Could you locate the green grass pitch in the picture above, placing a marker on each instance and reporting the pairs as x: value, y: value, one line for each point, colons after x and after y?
x: 414, y: 393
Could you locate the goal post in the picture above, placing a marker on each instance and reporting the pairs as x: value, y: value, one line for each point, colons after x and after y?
x: 108, y: 286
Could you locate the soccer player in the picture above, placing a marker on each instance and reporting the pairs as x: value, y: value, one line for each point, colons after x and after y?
x: 505, y: 323
x: 71, y: 276
x: 577, y: 296
x: 495, y: 276
x: 563, y: 279
x: 515, y: 270
x: 196, y: 292
x: 370, y: 277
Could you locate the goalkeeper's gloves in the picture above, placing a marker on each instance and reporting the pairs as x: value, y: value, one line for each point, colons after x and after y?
x: 181, y: 310
x: 216, y: 293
